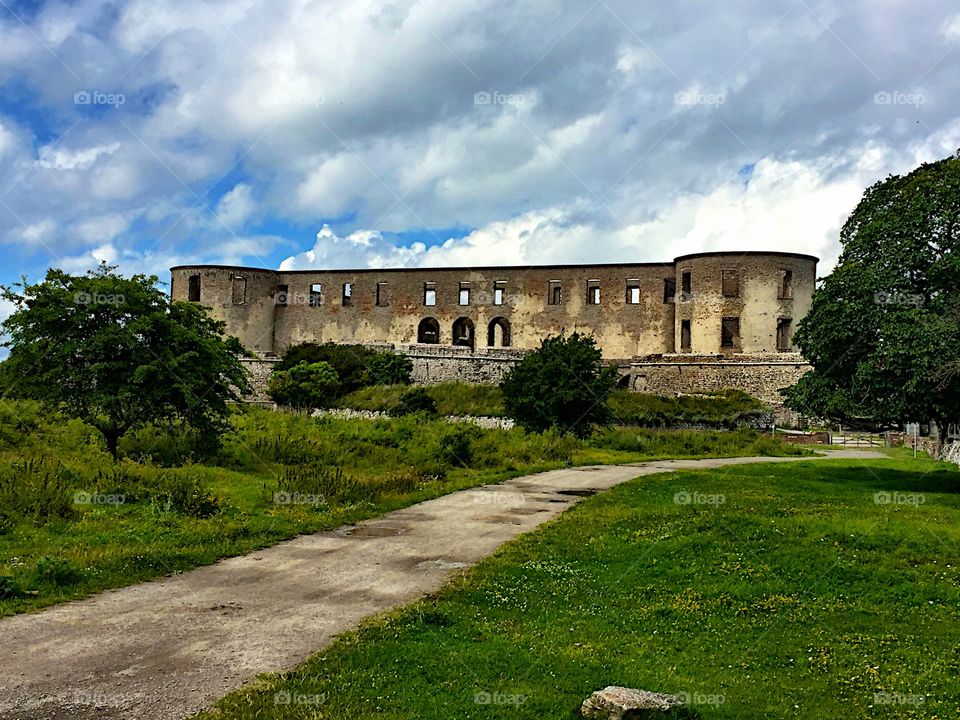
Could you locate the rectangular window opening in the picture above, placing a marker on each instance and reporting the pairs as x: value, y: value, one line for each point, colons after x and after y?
x: 383, y: 298
x: 785, y: 335
x: 347, y: 294
x: 593, y: 292
x: 786, y: 284
x: 686, y: 285
x: 283, y: 295
x: 239, y: 290
x: 633, y: 292
x: 429, y: 293
x: 730, y: 333
x: 499, y: 292
x: 316, y: 295
x: 685, y: 335
x: 464, y: 293
x: 555, y: 293
x: 193, y: 288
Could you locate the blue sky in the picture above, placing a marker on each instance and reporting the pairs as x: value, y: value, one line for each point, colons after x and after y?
x: 419, y: 132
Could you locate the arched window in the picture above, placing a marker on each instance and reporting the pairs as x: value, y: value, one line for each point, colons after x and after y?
x: 463, y: 332
x: 428, y: 331
x: 498, y: 333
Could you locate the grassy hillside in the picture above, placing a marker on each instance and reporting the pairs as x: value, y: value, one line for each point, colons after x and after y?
x: 72, y: 522
x: 811, y: 590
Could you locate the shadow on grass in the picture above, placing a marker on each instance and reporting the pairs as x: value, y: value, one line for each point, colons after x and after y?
x: 937, y: 481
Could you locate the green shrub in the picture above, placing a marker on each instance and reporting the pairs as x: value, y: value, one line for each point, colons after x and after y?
x: 181, y: 491
x: 563, y: 384
x: 349, y: 361
x: 416, y: 400
x: 305, y: 385
x: 389, y: 368
x: 456, y: 446
x: 55, y: 571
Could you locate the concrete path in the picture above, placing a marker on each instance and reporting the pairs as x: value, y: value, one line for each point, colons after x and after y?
x: 167, y: 648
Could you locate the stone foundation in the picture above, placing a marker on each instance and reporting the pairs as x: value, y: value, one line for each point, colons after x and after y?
x: 674, y: 374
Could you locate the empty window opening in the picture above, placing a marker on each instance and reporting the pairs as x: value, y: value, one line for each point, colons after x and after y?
x: 193, y: 288
x: 463, y: 332
x: 383, y: 297
x: 555, y: 293
x: 499, y: 292
x: 429, y: 293
x: 347, y: 294
x: 731, y: 283
x: 464, y: 293
x: 316, y: 294
x: 633, y: 292
x: 498, y: 333
x: 786, y: 284
x: 784, y: 335
x: 730, y: 333
x: 239, y: 290
x: 283, y: 295
x: 669, y: 290
x: 593, y: 292
x: 686, y: 285
x: 685, y: 335
x: 428, y: 331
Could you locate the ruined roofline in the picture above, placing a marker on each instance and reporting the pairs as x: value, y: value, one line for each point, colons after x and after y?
x: 557, y: 266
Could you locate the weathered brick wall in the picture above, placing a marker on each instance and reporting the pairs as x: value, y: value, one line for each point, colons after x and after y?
x: 436, y: 364
x: 672, y: 374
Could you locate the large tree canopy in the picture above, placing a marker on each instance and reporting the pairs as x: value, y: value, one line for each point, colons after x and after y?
x: 116, y: 353
x: 883, y: 334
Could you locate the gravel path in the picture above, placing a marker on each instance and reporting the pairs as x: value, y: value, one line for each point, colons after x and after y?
x: 165, y: 649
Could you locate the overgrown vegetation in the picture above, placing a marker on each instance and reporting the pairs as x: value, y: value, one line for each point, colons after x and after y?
x: 563, y: 384
x: 312, y: 375
x: 755, y: 592
x: 74, y: 521
x: 723, y: 409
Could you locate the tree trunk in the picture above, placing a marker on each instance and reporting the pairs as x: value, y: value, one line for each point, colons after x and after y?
x: 112, y: 436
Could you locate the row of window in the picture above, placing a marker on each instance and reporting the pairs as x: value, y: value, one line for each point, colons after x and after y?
x: 463, y: 332
x: 730, y: 334
x: 730, y: 287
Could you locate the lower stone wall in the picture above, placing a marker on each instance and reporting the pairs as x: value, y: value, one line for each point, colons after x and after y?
x: 673, y: 374
x: 436, y: 364
x: 664, y: 376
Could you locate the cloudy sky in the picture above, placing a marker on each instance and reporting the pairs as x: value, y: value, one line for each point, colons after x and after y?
x: 347, y: 133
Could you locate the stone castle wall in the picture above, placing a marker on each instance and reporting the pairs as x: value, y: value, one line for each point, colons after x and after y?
x: 762, y: 378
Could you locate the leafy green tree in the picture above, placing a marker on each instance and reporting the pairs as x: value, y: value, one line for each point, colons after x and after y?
x: 350, y: 361
x: 389, y: 368
x: 306, y: 385
x: 563, y: 384
x: 883, y: 334
x: 415, y: 400
x: 116, y: 353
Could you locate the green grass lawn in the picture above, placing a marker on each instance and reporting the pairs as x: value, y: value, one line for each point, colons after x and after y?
x: 181, y: 510
x: 826, y: 589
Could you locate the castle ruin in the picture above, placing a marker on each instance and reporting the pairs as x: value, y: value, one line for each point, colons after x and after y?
x: 699, y: 323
